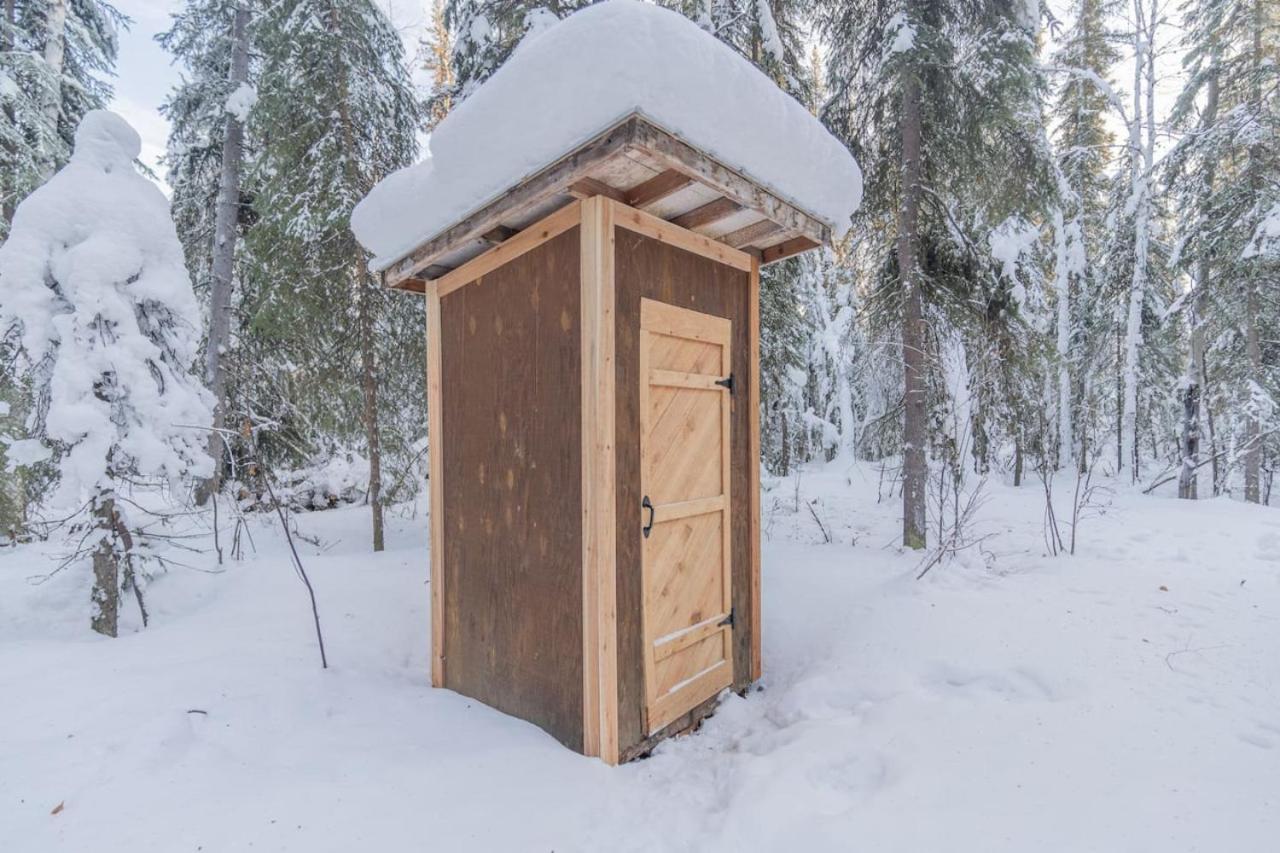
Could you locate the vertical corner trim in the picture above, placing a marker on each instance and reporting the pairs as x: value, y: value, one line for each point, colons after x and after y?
x: 599, y: 485
x: 754, y: 461
x: 435, y: 439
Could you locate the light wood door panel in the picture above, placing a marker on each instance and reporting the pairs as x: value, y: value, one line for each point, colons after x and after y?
x: 684, y: 472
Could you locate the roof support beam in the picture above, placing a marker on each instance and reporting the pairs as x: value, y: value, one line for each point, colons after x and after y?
x: 657, y: 188
x: 786, y: 249
x: 589, y: 187
x: 712, y: 211
x: 751, y: 233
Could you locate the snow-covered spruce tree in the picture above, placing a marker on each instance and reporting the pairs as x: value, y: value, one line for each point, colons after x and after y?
x: 335, y: 114
x: 833, y: 352
x: 1083, y: 147
x: 485, y: 32
x: 56, y: 60
x: 1223, y: 176
x: 768, y: 32
x: 206, y: 152
x: 97, y: 309
x: 933, y: 97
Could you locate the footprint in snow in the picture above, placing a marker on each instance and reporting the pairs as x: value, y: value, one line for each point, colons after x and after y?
x: 1255, y: 739
x: 1015, y: 685
x: 861, y: 775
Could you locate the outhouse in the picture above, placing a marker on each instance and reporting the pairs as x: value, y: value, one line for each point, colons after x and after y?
x: 588, y: 234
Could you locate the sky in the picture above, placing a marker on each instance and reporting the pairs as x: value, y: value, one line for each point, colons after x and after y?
x: 145, y: 73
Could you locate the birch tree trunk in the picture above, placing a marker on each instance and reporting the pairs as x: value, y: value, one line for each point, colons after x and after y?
x: 1140, y: 169
x: 225, y: 232
x: 915, y: 471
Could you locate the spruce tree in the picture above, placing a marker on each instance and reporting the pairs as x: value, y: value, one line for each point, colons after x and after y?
x: 934, y: 99
x: 335, y: 114
x: 206, y: 154
x: 1223, y: 177
x: 56, y: 61
x: 1083, y: 145
x: 101, y: 323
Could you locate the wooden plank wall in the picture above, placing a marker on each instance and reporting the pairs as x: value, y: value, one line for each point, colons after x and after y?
x: 649, y: 268
x: 512, y: 549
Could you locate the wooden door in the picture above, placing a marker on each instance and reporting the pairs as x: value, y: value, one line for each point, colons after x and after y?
x: 685, y: 388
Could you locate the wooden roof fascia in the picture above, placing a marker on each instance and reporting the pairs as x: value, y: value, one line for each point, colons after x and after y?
x: 530, y: 238
x: 551, y: 181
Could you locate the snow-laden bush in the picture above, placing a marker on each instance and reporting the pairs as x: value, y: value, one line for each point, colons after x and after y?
x: 98, y: 315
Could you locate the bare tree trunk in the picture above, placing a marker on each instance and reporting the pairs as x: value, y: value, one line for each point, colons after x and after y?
x: 1253, y: 343
x: 1062, y: 281
x: 915, y: 470
x: 106, y: 571
x: 1193, y: 391
x: 369, y: 387
x: 1253, y: 425
x: 225, y: 232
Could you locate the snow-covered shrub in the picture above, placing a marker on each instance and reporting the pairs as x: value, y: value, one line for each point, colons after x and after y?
x: 98, y: 315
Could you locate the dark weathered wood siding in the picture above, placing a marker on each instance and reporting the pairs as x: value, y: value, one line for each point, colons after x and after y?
x: 648, y: 268
x: 511, y: 368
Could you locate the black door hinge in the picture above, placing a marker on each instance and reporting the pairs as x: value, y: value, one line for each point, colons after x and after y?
x: 728, y: 620
x: 727, y: 382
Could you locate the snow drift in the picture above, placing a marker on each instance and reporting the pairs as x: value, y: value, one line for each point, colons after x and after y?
x: 572, y: 81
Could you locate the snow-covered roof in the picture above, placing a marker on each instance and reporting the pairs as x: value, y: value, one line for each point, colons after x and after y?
x: 569, y: 82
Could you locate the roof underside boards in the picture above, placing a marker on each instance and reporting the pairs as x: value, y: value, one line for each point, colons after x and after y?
x: 640, y: 164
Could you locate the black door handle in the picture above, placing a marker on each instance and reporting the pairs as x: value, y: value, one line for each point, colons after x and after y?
x: 647, y: 504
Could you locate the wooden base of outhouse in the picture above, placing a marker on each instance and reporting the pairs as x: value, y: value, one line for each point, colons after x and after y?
x: 686, y: 724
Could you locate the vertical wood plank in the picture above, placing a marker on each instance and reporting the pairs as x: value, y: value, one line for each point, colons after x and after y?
x: 435, y: 440
x: 753, y: 461
x: 599, y: 521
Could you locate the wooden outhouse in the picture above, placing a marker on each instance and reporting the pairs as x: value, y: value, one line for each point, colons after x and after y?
x: 593, y: 394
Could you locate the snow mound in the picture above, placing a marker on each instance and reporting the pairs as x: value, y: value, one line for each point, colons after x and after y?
x: 106, y: 141
x: 573, y: 80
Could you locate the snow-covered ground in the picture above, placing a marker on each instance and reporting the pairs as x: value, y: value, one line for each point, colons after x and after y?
x: 1126, y: 699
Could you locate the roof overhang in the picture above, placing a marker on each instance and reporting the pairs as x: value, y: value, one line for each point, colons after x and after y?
x: 640, y: 164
